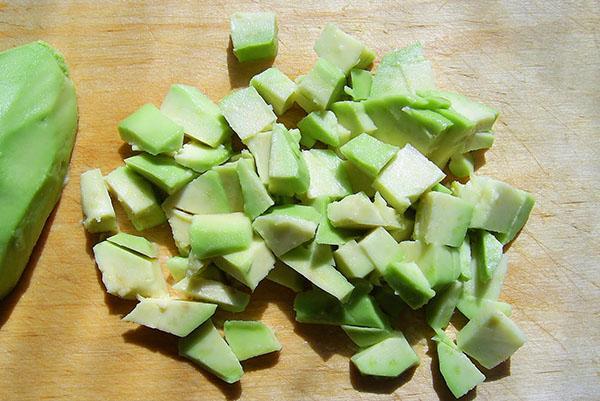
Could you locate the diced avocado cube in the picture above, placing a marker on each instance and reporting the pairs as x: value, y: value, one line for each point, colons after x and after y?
x: 490, y: 338
x: 220, y: 234
x: 411, y: 251
x: 361, y: 84
x: 200, y: 118
x: 368, y: 154
x: 341, y: 49
x: 462, y: 165
x: 177, y: 266
x: 327, y: 175
x: 315, y: 263
x: 173, y: 316
x: 99, y: 215
x: 202, y: 158
x: 487, y: 251
x: 322, y: 86
x: 137, y: 198
x: 401, y: 226
x: 406, y: 177
x: 254, y: 35
x: 388, y: 358
x: 470, y: 306
x: 260, y: 147
x: 287, y: 277
x: 519, y: 221
x: 441, y: 188
x: 323, y: 126
x: 442, y: 219
x: 204, y: 195
x: 451, y: 141
x: 440, y: 264
x: 127, y: 274
x: 326, y: 233
x: 459, y: 373
x: 276, y: 88
x: 483, y: 116
x: 248, y: 338
x: 151, y: 131
x: 440, y: 309
x: 283, y: 233
x: 180, y: 223
x: 161, y: 170
x: 246, y: 112
x: 249, y: 266
x: 353, y: 117
x: 207, y: 348
x: 135, y: 243
x: 204, y: 289
x: 298, y: 211
x: 352, y: 261
x: 489, y: 289
x: 354, y: 211
x: 366, y: 336
x: 380, y: 247
x: 359, y: 180
x: 256, y: 197
x: 230, y: 182
x: 288, y: 173
x: 464, y: 257
x: 407, y: 281
x: 479, y: 140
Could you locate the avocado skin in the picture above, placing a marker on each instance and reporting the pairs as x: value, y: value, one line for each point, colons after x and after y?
x: 38, y: 122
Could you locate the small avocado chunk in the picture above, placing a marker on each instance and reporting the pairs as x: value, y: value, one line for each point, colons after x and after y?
x: 464, y: 258
x: 287, y: 277
x: 407, y: 281
x: 161, y: 170
x: 256, y: 197
x: 283, y: 233
x: 137, y: 198
x: 230, y: 182
x: 327, y: 175
x: 135, y: 243
x: 327, y: 234
x: 380, y: 247
x: 342, y: 50
x: 462, y: 165
x: 323, y: 126
x: 204, y: 195
x: 353, y: 117
x: 248, y: 338
x: 442, y: 219
x: 204, y: 289
x: 459, y: 373
x: 359, y: 180
x: 126, y: 274
x: 490, y: 338
x: 479, y: 140
x: 440, y: 264
x: 207, y: 348
x: 246, y: 112
x: 406, y: 177
x: 361, y: 81
x: 288, y: 173
x: 397, y: 223
x: 354, y: 211
x: 440, y: 309
x: 276, y: 88
x: 199, y: 116
x: 487, y: 251
x: 249, y: 266
x: 254, y: 35
x: 220, y: 234
x: 173, y: 316
x: 388, y: 358
x: 368, y: 154
x: 321, y: 87
x: 180, y: 223
x: 177, y: 266
x: 200, y: 157
x: 489, y: 289
x: 352, y: 260
x: 471, y: 306
x: 366, y: 336
x: 151, y: 131
x: 98, y: 211
x: 260, y: 147
x: 483, y: 116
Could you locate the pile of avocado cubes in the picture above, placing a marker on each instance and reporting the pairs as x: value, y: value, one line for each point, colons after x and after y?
x: 348, y: 210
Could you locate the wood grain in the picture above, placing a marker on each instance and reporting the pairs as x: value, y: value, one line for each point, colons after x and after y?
x: 538, y: 62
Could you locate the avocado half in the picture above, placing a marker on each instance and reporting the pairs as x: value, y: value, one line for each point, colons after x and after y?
x: 38, y: 123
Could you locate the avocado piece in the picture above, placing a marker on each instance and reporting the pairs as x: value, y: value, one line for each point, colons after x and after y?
x: 452, y: 141
x: 220, y: 234
x: 483, y: 116
x: 151, y: 131
x: 341, y: 49
x: 246, y: 112
x: 353, y: 117
x: 177, y: 266
x: 207, y: 348
x: 519, y: 221
x: 287, y: 277
x: 98, y: 211
x: 276, y: 88
x: 254, y: 35
x: 354, y: 211
x: 322, y: 86
x: 260, y: 147
x: 126, y: 274
x: 161, y: 170
x: 408, y: 282
x: 180, y: 223
x: 471, y: 306
x: 490, y: 338
x: 327, y: 175
x: 406, y: 177
x: 459, y: 373
x: 368, y: 154
x: 380, y: 247
x: 462, y: 165
x: 137, y: 198
x: 440, y: 264
x: 283, y: 233
x: 464, y: 257
x: 298, y: 211
x: 256, y: 197
x: 204, y: 195
x: 248, y: 338
x: 440, y: 309
x: 230, y: 181
x: 487, y: 251
x: 489, y: 289
x: 208, y: 290
x: 327, y: 234
x: 359, y: 181
x: 135, y: 243
x: 38, y: 123
x: 352, y: 260
x: 441, y: 188
x: 479, y: 140
x: 442, y: 219
x: 173, y: 316
x: 200, y: 157
x: 323, y: 126
x: 361, y: 81
x: 288, y: 173
x: 400, y: 225
x: 388, y: 358
x: 366, y: 336
x: 249, y: 266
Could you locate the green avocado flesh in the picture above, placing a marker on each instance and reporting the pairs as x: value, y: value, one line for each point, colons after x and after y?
x: 38, y: 122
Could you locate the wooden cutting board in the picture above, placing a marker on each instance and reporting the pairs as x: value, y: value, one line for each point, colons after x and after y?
x: 537, y: 62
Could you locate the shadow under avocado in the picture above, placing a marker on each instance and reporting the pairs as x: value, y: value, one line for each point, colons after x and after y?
x: 241, y: 73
